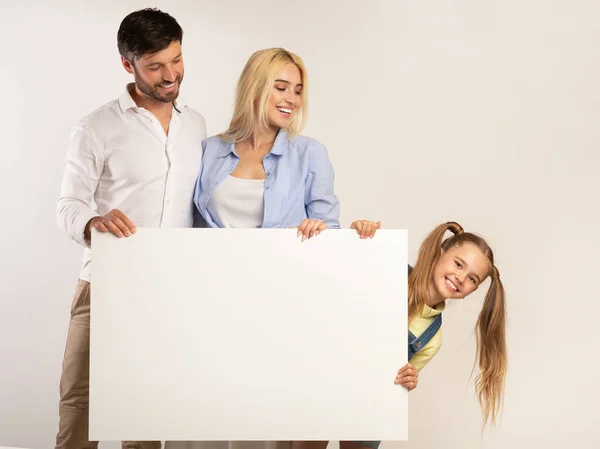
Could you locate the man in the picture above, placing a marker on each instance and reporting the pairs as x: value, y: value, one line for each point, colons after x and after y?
x: 132, y: 162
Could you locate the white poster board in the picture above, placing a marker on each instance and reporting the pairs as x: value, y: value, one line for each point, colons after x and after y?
x: 221, y: 334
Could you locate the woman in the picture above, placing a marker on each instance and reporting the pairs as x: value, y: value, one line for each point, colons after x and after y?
x: 260, y: 172
x: 449, y: 269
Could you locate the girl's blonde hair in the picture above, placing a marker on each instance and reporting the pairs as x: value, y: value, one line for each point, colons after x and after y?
x: 491, y: 324
x: 254, y: 91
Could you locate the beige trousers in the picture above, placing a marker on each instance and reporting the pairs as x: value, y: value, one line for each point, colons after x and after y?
x: 74, y: 381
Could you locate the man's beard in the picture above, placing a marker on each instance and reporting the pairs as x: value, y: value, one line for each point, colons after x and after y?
x: 153, y: 90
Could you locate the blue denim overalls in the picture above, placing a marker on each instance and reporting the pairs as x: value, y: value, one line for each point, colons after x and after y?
x: 416, y: 344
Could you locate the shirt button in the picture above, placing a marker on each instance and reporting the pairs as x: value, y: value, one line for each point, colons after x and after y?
x: 268, y: 188
x: 268, y: 173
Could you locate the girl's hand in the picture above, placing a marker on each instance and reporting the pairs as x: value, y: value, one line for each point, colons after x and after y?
x: 311, y: 228
x: 407, y: 377
x: 365, y: 228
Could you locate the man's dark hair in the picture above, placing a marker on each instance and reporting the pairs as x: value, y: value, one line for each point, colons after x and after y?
x: 147, y: 31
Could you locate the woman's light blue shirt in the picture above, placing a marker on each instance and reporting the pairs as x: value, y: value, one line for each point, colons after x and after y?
x: 299, y: 181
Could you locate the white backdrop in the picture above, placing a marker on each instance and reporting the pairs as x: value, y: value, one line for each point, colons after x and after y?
x: 481, y: 112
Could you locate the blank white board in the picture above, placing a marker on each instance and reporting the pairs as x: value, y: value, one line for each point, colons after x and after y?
x: 248, y: 334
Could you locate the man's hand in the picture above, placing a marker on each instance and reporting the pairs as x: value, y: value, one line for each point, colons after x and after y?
x: 115, y: 222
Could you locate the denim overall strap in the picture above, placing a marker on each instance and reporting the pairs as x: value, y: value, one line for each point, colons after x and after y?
x: 416, y: 344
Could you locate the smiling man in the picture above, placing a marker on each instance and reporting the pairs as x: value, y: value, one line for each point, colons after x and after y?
x: 132, y: 162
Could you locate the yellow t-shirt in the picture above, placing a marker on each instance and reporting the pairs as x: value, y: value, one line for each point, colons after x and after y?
x: 417, y: 326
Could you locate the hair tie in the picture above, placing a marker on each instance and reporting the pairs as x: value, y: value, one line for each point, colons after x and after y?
x: 495, y: 273
x: 455, y: 227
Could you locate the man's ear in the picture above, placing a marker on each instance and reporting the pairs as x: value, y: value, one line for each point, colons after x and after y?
x: 127, y: 65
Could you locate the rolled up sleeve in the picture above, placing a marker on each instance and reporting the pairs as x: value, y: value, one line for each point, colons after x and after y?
x: 321, y: 201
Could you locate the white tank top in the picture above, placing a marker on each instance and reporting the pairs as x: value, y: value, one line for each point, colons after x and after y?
x: 239, y: 203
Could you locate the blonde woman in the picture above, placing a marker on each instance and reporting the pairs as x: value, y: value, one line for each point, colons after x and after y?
x: 451, y: 268
x: 260, y: 173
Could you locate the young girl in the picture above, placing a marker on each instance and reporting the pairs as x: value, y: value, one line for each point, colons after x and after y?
x: 448, y: 269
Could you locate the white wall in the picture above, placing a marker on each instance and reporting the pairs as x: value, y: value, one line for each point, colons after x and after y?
x: 481, y: 112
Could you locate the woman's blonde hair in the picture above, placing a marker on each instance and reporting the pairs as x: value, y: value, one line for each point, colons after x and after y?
x: 254, y: 91
x: 491, y: 324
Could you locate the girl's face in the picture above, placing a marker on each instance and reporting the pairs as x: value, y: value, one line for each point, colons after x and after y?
x: 286, y: 96
x: 459, y: 271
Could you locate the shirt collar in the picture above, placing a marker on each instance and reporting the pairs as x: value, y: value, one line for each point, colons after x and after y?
x: 431, y: 312
x: 280, y: 144
x: 126, y: 101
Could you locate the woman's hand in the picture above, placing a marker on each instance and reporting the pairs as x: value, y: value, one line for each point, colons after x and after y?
x: 310, y: 228
x: 408, y: 377
x: 365, y: 228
